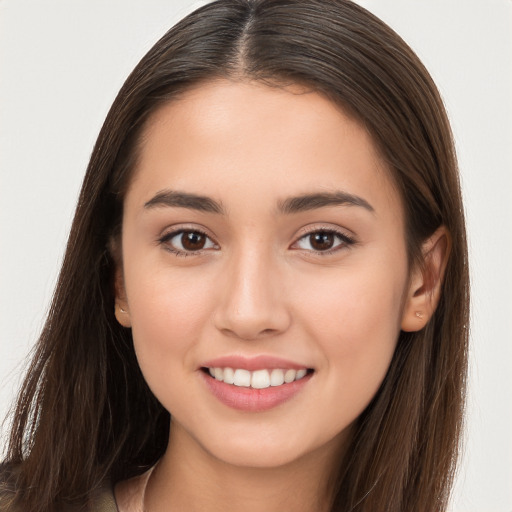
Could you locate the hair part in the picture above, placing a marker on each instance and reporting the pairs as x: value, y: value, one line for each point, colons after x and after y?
x: 85, y: 413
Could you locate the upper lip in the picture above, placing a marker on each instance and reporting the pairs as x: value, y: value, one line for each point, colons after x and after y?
x: 261, y: 362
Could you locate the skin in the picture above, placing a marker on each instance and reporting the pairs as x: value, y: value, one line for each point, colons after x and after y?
x: 259, y: 287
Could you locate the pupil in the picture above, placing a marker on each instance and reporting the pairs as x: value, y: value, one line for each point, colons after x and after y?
x: 193, y: 241
x: 322, y: 241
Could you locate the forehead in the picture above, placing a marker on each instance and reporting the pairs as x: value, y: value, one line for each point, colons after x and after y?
x: 226, y: 136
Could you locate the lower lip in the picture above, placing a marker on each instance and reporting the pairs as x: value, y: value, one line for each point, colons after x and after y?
x: 254, y: 400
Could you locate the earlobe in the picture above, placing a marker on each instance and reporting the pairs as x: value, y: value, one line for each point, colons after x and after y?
x: 121, y: 305
x: 426, y: 282
x: 122, y: 316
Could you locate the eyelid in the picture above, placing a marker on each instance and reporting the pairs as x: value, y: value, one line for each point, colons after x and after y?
x: 176, y: 228
x: 332, y: 228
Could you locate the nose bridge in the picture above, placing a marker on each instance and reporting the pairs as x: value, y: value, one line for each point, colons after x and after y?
x: 253, y: 302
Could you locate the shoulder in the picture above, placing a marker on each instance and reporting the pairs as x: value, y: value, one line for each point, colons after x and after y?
x: 102, y: 500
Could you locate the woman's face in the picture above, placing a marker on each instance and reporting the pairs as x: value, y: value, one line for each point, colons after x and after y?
x: 263, y: 242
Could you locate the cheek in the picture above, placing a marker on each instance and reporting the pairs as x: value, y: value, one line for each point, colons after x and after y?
x: 355, y: 318
x: 169, y: 312
x: 162, y: 297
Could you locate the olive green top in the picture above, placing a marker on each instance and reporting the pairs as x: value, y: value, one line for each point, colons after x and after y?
x: 104, y: 501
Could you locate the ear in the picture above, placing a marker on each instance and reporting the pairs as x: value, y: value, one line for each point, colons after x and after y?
x: 122, y: 311
x: 426, y: 282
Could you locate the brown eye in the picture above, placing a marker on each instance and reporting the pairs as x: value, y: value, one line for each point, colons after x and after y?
x: 322, y: 241
x: 193, y: 240
x: 183, y: 242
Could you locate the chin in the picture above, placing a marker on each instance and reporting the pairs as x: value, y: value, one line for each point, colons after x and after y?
x: 268, y: 451
x: 258, y: 458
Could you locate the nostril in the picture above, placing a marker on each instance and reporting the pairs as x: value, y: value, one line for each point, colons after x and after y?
x: 247, y: 334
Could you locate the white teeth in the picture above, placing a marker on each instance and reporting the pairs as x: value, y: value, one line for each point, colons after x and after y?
x: 259, y: 379
x: 290, y: 375
x: 277, y: 378
x: 301, y: 373
x: 229, y: 375
x: 242, y: 378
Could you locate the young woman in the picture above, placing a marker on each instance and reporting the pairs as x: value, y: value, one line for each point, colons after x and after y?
x: 264, y: 299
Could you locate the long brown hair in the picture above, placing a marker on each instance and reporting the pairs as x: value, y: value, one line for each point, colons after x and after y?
x: 85, y: 414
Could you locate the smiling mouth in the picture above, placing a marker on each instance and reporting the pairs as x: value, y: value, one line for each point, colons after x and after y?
x: 258, y: 379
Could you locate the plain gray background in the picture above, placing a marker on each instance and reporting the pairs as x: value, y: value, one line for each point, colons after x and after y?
x: 61, y: 65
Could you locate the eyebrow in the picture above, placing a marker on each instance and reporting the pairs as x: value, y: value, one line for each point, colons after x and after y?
x: 321, y: 200
x: 184, y: 200
x: 296, y: 204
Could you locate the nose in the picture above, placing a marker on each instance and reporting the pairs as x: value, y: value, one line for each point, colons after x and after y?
x: 253, y: 302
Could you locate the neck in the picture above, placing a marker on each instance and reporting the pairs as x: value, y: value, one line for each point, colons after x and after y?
x: 190, y: 479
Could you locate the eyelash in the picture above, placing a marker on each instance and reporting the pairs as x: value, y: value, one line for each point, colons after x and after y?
x: 345, y: 241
